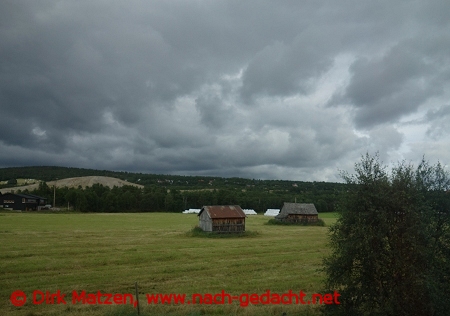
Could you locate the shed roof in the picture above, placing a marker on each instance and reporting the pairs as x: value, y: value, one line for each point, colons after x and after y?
x: 297, y: 208
x: 223, y: 211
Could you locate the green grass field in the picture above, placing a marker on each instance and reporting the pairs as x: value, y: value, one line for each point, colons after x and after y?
x: 110, y: 252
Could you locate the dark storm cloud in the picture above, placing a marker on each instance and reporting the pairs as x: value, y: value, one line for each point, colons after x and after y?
x: 284, y: 89
x: 385, y: 89
x: 282, y: 70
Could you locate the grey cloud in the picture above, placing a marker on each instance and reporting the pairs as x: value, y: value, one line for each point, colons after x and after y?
x: 226, y: 88
x: 214, y: 113
x: 442, y: 113
x: 385, y: 89
x: 286, y: 69
x: 438, y: 119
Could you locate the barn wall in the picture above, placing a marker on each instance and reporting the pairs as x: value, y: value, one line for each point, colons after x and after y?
x: 295, y: 218
x: 14, y: 202
x: 228, y: 225
x: 20, y: 203
x: 205, y: 222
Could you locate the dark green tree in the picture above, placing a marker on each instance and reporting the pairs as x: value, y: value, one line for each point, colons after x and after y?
x: 44, y: 190
x: 391, y: 243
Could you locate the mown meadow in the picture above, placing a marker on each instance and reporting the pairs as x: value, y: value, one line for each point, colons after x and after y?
x: 110, y: 252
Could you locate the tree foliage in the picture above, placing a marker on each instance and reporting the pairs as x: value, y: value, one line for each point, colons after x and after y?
x: 188, y: 191
x: 391, y: 243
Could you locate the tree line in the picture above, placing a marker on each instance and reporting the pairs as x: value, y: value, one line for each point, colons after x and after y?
x: 99, y: 198
x: 177, y: 182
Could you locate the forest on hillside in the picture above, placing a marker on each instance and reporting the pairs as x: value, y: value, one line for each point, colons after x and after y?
x: 172, y: 193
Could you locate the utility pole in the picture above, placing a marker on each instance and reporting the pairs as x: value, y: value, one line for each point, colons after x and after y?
x: 54, y: 193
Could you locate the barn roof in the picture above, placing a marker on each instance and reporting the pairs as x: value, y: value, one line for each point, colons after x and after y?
x: 223, y: 211
x: 28, y: 196
x: 297, y: 208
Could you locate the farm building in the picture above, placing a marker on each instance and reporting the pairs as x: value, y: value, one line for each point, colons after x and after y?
x: 21, y: 202
x: 222, y: 219
x: 298, y: 212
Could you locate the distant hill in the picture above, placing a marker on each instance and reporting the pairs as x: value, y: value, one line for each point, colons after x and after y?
x: 49, y: 173
x: 170, y: 193
x: 76, y: 182
x: 176, y: 182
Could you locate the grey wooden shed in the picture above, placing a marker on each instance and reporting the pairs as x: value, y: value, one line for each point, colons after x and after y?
x: 298, y: 212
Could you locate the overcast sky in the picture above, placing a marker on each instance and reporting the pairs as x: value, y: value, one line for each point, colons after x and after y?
x: 294, y: 90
